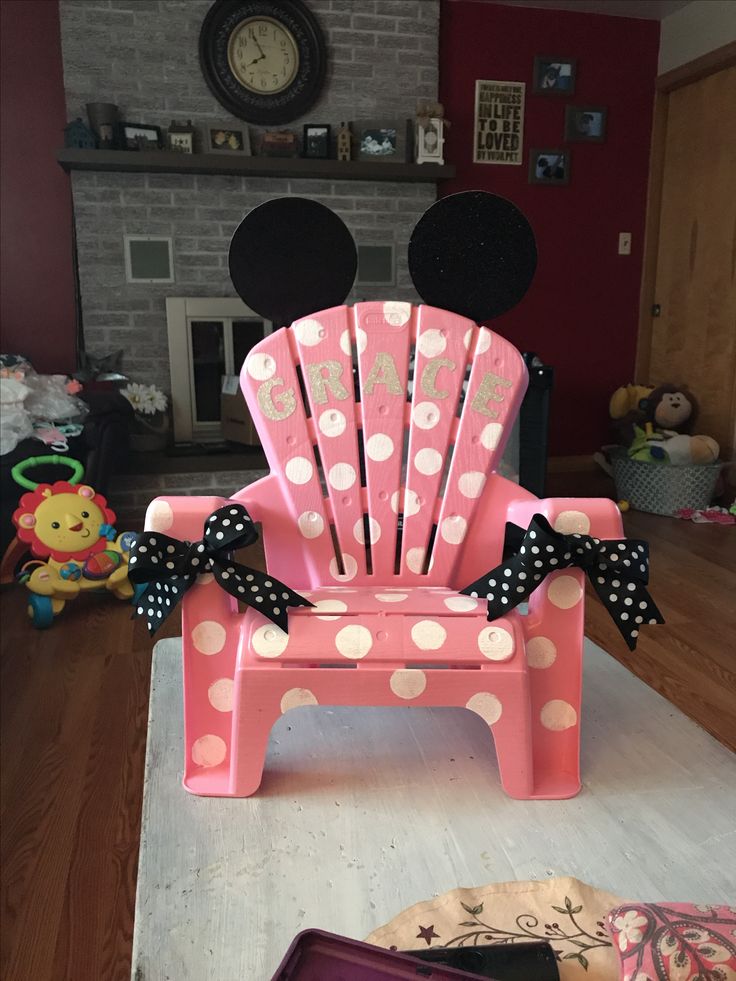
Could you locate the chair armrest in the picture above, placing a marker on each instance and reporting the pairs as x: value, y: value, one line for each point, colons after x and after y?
x: 596, y: 516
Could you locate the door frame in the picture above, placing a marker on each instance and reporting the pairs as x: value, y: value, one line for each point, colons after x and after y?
x: 692, y: 71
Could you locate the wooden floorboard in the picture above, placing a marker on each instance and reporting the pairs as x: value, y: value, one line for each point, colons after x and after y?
x: 74, y: 707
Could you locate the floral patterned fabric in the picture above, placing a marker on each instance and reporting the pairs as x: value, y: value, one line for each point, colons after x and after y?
x: 674, y: 942
x: 566, y: 912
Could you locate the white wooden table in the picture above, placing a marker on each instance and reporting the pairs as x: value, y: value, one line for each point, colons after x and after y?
x: 363, y: 812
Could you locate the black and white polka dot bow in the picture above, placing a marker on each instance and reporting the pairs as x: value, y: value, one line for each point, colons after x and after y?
x: 169, y: 567
x: 618, y: 571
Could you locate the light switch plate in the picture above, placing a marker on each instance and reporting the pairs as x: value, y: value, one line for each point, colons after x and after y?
x: 624, y: 243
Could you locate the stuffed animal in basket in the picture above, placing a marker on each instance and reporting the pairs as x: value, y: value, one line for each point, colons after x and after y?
x: 670, y: 409
x: 678, y: 449
x: 71, y: 526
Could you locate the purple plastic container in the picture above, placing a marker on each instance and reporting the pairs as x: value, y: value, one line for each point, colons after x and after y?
x: 318, y: 956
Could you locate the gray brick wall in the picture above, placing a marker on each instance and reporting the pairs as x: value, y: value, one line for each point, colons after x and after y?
x: 142, y: 55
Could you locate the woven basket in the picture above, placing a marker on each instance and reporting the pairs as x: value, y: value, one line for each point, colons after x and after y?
x: 661, y: 488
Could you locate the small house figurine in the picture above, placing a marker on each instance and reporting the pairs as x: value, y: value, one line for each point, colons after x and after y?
x: 181, y: 137
x: 79, y: 136
x: 344, y: 142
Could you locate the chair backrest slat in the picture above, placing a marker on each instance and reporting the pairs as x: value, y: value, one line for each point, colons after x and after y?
x: 383, y: 339
x: 325, y: 356
x: 382, y: 423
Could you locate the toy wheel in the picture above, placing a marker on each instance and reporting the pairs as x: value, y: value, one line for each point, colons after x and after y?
x: 40, y: 611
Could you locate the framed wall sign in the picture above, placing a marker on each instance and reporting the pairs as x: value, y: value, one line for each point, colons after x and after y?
x: 499, y: 122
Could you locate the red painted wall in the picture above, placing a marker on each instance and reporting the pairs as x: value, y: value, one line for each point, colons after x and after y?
x: 37, y: 308
x: 581, y: 313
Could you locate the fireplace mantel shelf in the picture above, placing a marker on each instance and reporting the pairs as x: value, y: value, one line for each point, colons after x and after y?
x: 164, y: 162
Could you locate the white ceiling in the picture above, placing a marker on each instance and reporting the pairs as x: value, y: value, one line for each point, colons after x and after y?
x: 645, y: 9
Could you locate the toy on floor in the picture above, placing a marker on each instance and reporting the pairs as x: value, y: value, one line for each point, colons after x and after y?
x: 678, y: 449
x: 71, y: 524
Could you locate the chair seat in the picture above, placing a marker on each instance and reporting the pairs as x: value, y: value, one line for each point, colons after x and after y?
x: 400, y: 625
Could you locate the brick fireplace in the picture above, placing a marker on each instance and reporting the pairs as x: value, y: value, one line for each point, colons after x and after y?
x: 142, y: 55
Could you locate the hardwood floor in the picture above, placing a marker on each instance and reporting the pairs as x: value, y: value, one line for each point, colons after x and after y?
x: 74, y: 712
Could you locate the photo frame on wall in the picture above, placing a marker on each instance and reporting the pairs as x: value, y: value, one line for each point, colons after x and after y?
x: 554, y: 75
x: 585, y: 124
x: 549, y: 167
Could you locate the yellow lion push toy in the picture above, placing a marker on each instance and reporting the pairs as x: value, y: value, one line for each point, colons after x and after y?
x: 72, y: 525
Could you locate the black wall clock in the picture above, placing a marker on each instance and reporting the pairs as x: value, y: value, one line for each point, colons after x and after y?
x: 264, y: 60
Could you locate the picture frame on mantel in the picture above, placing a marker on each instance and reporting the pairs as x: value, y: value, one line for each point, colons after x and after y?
x: 228, y: 138
x: 381, y: 140
x: 139, y: 136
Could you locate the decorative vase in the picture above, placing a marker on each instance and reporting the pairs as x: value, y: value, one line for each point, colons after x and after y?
x: 151, y: 435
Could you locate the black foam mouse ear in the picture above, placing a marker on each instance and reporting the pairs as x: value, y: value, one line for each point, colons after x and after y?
x: 472, y: 253
x: 290, y: 257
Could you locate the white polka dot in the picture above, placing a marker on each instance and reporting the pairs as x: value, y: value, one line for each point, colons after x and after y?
x: 209, y: 637
x: 428, y: 635
x: 461, y: 604
x: 220, y: 694
x: 311, y: 524
x: 468, y: 336
x: 471, y: 484
x: 408, y: 683
x: 486, y: 705
x: 572, y: 523
x: 564, y: 592
x: 409, y: 501
x: 415, y: 559
x: 453, y: 529
x: 431, y: 343
x: 159, y: 516
x: 310, y: 332
x: 396, y: 312
x: 296, y: 697
x: 426, y: 415
x: 558, y: 715
x: 484, y: 341
x: 329, y: 606
x: 260, y: 367
x: 391, y: 597
x: 495, y: 643
x: 354, y: 641
x: 269, y: 641
x: 374, y: 531
x: 491, y: 435
x: 299, y: 470
x: 345, y: 343
x: 379, y: 447
x: 361, y: 339
x: 209, y: 750
x: 428, y: 461
x: 332, y: 423
x: 350, y: 566
x: 540, y: 652
x: 341, y: 476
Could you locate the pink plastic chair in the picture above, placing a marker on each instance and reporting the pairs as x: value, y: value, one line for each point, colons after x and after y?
x: 379, y: 506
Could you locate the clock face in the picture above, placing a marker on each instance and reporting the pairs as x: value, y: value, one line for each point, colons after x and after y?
x: 263, y: 55
x: 264, y: 60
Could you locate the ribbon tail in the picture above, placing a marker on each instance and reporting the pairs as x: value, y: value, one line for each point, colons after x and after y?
x: 504, y: 587
x: 628, y: 617
x: 159, y: 599
x: 259, y: 590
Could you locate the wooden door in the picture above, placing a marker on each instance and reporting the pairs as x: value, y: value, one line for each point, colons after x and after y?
x: 693, y: 341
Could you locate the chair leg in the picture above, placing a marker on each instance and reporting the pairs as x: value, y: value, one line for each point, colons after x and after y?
x: 509, y: 719
x: 252, y: 724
